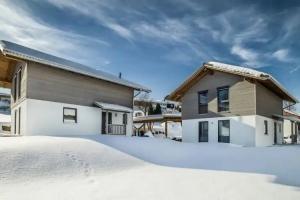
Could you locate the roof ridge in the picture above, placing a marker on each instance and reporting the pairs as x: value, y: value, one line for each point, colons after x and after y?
x: 27, y: 53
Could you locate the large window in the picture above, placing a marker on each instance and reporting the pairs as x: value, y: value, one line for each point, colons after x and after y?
x: 223, y: 99
x: 202, y: 102
x: 70, y: 115
x: 266, y: 127
x: 15, y: 121
x: 15, y: 88
x: 19, y: 80
x: 17, y: 85
x: 224, y: 131
x: 203, y: 131
x: 19, y: 121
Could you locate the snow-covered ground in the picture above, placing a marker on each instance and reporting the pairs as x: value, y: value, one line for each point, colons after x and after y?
x: 116, y: 167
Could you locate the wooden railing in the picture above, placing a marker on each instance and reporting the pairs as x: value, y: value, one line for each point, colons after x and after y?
x: 116, y: 129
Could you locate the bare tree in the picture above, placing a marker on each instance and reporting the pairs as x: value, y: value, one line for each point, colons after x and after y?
x: 289, y: 106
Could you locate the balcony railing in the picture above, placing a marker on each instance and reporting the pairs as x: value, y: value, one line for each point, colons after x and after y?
x: 116, y: 129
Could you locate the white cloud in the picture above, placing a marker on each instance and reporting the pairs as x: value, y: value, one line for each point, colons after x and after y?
x: 281, y: 55
x: 295, y: 69
x: 18, y: 25
x: 95, y: 10
x: 249, y: 56
x: 166, y: 30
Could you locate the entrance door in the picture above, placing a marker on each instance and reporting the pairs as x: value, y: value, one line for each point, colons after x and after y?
x: 103, y: 123
x: 203, y: 131
x: 275, y: 133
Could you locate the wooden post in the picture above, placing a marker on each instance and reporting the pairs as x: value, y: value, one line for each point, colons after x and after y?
x: 166, y: 128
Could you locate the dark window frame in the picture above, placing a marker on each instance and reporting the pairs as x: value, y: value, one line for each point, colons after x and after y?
x: 220, y: 108
x: 15, y: 88
x: 125, y: 119
x: 19, y: 122
x: 205, y: 105
x: 15, y: 124
x: 221, y: 138
x: 109, y: 118
x: 19, y: 83
x: 76, y: 116
x: 203, y: 139
x: 266, y: 125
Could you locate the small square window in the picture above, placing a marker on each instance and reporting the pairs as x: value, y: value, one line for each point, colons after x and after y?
x: 70, y: 115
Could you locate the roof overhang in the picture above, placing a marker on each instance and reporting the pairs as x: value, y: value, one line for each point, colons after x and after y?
x: 15, y: 53
x: 176, y: 117
x: 265, y: 79
x: 291, y: 118
x: 113, y: 107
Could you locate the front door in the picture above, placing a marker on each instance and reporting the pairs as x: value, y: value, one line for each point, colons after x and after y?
x: 275, y: 133
x: 103, y: 122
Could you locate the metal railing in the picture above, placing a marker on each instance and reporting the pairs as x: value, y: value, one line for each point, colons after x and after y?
x: 116, y: 129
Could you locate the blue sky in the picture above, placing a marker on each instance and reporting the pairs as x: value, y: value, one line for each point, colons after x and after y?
x: 159, y: 43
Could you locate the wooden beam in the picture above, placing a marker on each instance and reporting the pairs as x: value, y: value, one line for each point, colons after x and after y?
x: 5, y: 84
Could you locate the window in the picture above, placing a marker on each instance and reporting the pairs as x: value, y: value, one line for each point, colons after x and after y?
x: 125, y: 118
x: 279, y: 128
x: 202, y: 102
x: 224, y: 131
x: 19, y: 80
x: 203, y: 131
x: 15, y: 122
x: 70, y: 115
x: 266, y: 127
x: 19, y: 121
x: 109, y: 118
x: 170, y: 105
x: 15, y: 88
x: 223, y: 99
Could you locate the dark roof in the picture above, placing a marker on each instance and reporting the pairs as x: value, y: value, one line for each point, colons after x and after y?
x: 18, y: 51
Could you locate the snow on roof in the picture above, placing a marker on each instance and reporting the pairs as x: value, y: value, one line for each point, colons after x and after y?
x: 4, y: 94
x: 291, y: 112
x: 248, y: 72
x: 4, y: 118
x: 237, y: 69
x: 113, y: 107
x: 16, y: 50
x: 233, y: 69
x: 157, y: 117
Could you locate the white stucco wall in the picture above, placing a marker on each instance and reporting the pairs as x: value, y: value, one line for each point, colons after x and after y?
x: 46, y: 118
x: 263, y: 139
x: 287, y: 128
x: 242, y: 130
x: 23, y: 124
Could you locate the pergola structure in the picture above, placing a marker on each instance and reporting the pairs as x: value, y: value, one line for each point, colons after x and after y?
x: 151, y: 119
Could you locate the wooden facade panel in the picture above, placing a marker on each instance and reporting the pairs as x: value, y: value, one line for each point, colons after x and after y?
x: 52, y: 84
x: 241, y: 96
x: 268, y: 103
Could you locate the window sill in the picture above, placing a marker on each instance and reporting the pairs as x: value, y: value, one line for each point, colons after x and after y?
x: 224, y: 112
